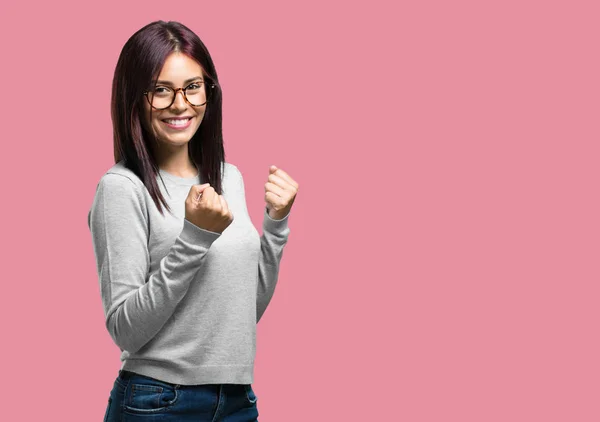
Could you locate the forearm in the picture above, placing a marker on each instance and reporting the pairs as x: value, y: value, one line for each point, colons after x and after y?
x: 272, y: 243
x: 136, y: 314
x: 138, y: 303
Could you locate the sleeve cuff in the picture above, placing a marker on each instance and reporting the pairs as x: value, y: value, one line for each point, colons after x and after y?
x: 196, y: 235
x: 274, y: 226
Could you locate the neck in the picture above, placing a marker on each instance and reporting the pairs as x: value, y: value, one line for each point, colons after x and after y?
x: 175, y: 160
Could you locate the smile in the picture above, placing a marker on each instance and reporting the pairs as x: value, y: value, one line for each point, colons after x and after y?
x: 178, y: 123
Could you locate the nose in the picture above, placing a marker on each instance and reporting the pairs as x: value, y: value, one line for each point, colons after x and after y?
x: 179, y: 103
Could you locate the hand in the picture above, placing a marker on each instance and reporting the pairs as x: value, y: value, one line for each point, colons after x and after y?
x: 280, y: 193
x: 207, y: 209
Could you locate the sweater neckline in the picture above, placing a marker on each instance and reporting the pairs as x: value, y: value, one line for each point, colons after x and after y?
x: 188, y: 181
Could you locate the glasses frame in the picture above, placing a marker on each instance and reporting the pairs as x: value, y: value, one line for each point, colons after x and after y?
x: 210, y: 85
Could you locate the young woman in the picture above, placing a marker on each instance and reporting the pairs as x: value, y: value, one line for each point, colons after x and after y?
x: 184, y: 275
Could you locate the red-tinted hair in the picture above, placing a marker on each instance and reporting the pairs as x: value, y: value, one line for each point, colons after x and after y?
x: 139, y: 64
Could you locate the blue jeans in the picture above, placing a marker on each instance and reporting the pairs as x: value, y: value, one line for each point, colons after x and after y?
x: 135, y: 397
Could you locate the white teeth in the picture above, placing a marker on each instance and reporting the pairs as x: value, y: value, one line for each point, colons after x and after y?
x: 177, y: 122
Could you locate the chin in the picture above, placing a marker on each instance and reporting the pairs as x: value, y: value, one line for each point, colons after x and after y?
x: 179, y: 141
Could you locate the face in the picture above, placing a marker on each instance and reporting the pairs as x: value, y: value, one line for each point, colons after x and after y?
x: 175, y: 125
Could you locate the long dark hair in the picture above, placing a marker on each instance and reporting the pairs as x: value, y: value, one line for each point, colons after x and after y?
x: 140, y: 62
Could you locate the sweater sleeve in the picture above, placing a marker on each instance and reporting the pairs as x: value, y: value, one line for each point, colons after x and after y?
x: 137, y: 304
x: 272, y: 242
x: 274, y: 238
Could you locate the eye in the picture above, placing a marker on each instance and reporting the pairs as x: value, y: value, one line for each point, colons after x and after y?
x: 161, y: 92
x: 194, y: 86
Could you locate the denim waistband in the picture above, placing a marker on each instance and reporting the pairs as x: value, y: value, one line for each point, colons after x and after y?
x: 124, y: 374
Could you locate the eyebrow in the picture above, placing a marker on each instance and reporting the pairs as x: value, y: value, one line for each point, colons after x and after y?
x: 185, y: 83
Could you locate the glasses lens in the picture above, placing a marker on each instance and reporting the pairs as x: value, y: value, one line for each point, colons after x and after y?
x: 161, y: 97
x: 195, y: 94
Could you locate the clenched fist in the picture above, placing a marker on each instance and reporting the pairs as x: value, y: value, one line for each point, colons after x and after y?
x: 207, y: 209
x: 280, y: 193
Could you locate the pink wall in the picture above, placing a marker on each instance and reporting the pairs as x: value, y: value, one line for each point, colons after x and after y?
x: 443, y: 259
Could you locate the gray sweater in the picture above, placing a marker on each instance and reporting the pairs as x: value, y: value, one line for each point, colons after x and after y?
x: 182, y: 302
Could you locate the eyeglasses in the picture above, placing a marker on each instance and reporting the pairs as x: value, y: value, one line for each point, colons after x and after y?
x: 161, y: 97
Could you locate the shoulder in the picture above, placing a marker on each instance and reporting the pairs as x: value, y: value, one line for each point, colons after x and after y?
x: 230, y: 169
x: 119, y: 179
x: 118, y: 193
x: 123, y: 172
x: 227, y: 165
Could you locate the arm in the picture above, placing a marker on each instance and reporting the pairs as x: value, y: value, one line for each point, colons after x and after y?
x: 272, y: 242
x: 137, y: 304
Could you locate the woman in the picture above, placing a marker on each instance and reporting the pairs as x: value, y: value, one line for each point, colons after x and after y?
x: 184, y: 275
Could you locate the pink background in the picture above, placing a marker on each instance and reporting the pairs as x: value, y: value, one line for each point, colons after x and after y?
x: 443, y: 259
